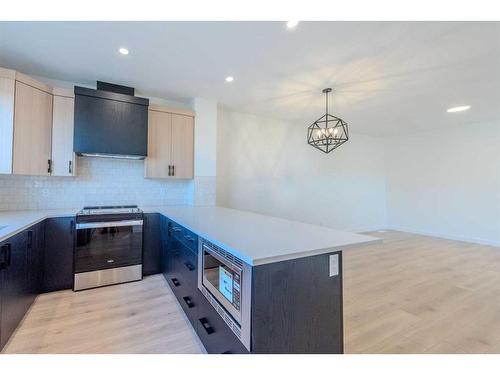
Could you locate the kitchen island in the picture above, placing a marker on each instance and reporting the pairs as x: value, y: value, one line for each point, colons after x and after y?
x: 282, y: 278
x: 288, y: 276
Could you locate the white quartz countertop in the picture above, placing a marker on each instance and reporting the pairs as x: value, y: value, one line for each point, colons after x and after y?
x: 13, y: 222
x: 260, y: 239
x: 254, y: 238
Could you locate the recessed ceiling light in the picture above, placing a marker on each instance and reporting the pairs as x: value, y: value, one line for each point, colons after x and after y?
x: 292, y: 24
x: 123, y: 51
x: 229, y: 79
x: 458, y: 109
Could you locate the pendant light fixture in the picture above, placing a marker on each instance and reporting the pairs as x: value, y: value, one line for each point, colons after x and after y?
x: 328, y: 132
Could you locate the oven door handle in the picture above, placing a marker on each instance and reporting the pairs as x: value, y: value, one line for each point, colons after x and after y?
x: 107, y: 224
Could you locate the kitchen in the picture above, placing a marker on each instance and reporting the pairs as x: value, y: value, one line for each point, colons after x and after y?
x: 146, y: 212
x: 106, y: 245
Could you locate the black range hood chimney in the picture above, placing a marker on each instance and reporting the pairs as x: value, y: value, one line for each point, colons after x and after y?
x: 110, y: 122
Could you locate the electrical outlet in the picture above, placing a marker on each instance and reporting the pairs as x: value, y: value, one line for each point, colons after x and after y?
x: 334, y: 265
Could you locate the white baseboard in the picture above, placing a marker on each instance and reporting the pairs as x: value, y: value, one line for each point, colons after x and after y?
x: 366, y: 229
x: 480, y: 241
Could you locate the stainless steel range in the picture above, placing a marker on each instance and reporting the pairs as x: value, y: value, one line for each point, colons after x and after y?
x: 108, y: 246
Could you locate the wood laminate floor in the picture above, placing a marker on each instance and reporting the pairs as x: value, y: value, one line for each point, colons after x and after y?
x: 420, y: 294
x: 138, y: 317
x: 409, y: 294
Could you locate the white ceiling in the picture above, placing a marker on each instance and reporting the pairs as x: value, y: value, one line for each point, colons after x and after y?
x: 388, y: 77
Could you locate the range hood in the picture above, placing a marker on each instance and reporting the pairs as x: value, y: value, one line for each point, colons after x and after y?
x: 110, y: 122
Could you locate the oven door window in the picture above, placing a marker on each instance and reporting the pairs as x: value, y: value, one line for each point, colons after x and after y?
x: 109, y: 247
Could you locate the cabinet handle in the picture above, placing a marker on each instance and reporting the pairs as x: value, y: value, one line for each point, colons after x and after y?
x: 176, y: 282
x: 206, y: 325
x: 188, y: 301
x: 4, y: 251
x: 173, y: 170
x: 189, y: 266
x: 189, y: 238
x: 71, y: 225
x: 9, y: 254
x: 30, y: 239
x: 170, y: 170
x: 176, y: 229
x: 70, y: 167
x: 49, y: 169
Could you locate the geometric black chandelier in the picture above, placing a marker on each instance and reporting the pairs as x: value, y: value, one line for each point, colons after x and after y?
x: 328, y: 132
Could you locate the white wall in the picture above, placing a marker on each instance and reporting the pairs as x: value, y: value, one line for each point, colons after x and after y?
x: 205, y: 155
x: 205, y: 139
x: 446, y: 183
x: 265, y: 165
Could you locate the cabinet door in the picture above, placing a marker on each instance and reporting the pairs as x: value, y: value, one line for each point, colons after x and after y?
x: 6, y: 123
x: 36, y: 247
x: 183, y: 146
x: 32, y: 266
x: 63, y: 157
x: 58, y: 254
x: 151, y: 263
x: 164, y: 243
x: 159, y: 160
x: 15, y: 286
x: 32, y: 131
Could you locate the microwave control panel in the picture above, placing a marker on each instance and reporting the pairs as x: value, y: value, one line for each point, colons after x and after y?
x: 237, y: 291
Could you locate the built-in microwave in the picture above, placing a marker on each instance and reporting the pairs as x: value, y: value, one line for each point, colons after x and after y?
x: 225, y: 280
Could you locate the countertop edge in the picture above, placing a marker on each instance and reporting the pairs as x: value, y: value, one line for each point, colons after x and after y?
x: 308, y: 253
x: 43, y: 216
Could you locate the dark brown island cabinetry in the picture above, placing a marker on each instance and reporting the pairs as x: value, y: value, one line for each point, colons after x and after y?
x: 296, y: 305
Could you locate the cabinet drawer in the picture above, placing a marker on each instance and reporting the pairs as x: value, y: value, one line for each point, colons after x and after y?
x: 190, y: 240
x: 182, y: 265
x: 185, y: 236
x: 209, y: 326
x: 214, y: 333
x: 188, y: 267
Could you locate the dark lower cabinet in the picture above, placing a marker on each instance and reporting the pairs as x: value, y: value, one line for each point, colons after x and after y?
x: 38, y: 259
x: 151, y: 263
x: 164, y: 244
x: 297, y: 307
x: 58, y: 255
x: 36, y: 249
x: 15, y: 284
x: 296, y: 304
x: 180, y: 269
x: 213, y: 332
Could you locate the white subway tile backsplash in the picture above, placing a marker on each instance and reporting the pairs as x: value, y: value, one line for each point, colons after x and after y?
x: 102, y: 182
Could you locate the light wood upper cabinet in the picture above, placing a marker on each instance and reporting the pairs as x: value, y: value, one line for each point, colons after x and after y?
x: 63, y: 157
x: 158, y: 162
x: 170, y: 144
x: 182, y: 146
x: 32, y: 130
x: 7, y: 89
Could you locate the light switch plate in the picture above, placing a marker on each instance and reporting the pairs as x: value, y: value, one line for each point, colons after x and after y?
x: 334, y: 265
